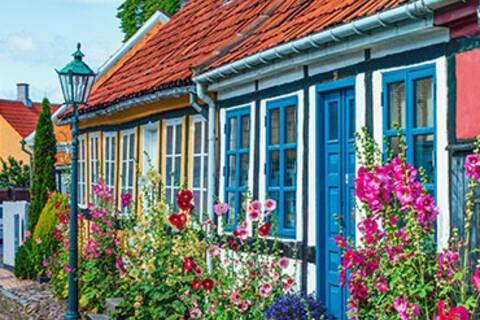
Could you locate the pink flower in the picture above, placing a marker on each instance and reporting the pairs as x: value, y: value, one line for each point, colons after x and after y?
x: 48, y: 273
x: 220, y: 209
x: 283, y: 263
x: 38, y: 241
x: 68, y: 269
x: 196, y: 313
x: 340, y: 242
x: 381, y: 284
x: 476, y: 280
x: 126, y: 200
x: 44, y: 264
x: 108, y: 252
x: 270, y: 205
x: 288, y: 284
x: 27, y: 234
x: 243, y: 306
x: 404, y: 308
x: 456, y: 313
x: 266, y: 290
x: 214, y: 250
x: 254, y: 215
x: 472, y: 166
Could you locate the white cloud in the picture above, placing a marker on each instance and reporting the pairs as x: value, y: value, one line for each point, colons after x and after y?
x: 20, y: 44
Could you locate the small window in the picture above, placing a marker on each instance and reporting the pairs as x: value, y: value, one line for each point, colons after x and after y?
x: 281, y: 160
x: 173, y: 160
x: 410, y: 102
x: 237, y: 162
x: 200, y: 164
x: 81, y: 171
x: 128, y: 162
x: 110, y: 158
x: 94, y: 163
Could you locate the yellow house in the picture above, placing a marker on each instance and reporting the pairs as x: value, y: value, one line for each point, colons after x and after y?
x: 18, y: 120
x: 145, y: 109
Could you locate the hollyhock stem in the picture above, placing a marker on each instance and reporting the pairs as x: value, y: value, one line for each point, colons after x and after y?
x: 466, y: 234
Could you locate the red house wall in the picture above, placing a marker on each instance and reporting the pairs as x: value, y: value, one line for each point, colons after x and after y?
x: 468, y: 94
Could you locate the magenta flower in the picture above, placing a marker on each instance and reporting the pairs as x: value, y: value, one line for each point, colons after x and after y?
x: 472, y: 166
x: 283, y: 263
x: 270, y: 205
x: 220, y: 209
x: 126, y: 200
x: 68, y: 269
x: 266, y: 290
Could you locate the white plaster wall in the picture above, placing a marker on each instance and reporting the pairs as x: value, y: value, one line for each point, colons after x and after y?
x: 10, y: 209
x: 281, y: 78
x: 311, y: 278
x: 442, y: 160
x: 336, y: 62
x: 312, y: 168
x: 235, y: 91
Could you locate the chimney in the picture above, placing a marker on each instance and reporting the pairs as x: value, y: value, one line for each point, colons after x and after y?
x: 23, y: 94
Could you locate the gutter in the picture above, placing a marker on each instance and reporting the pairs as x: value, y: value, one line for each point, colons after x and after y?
x: 361, y: 27
x: 120, y: 106
x: 30, y: 156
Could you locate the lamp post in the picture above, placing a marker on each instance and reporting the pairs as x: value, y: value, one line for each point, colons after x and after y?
x: 76, y: 80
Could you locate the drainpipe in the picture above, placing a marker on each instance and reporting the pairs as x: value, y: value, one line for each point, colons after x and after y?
x: 30, y: 156
x: 211, y: 155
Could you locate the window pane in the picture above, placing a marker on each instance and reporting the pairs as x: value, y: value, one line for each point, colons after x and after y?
x: 245, y: 131
x: 274, y: 172
x: 169, y: 139
x: 333, y: 120
x: 178, y: 139
x: 132, y: 148
x: 291, y: 124
x: 290, y: 167
x: 177, y: 170
x: 396, y: 92
x: 197, y: 166
x: 130, y: 174
x: 205, y: 171
x: 205, y: 204
x: 243, y: 169
x: 197, y: 138
x: 124, y: 147
x: 424, y: 155
x: 232, y: 168
x: 230, y: 216
x: 275, y: 126
x: 196, y: 199
x: 290, y: 210
x: 424, y: 103
x: 233, y: 134
x: 168, y: 171
x: 395, y: 145
x: 205, y: 136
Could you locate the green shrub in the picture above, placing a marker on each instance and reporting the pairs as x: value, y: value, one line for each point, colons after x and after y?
x: 46, y: 236
x: 25, y: 261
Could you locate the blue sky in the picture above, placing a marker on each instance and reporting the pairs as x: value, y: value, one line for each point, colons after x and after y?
x: 37, y: 36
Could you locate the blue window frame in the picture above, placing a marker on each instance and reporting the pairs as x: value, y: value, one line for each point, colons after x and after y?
x: 409, y: 100
x: 237, y: 158
x: 281, y: 162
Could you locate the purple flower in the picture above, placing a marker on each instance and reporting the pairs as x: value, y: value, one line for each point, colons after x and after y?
x: 126, y: 200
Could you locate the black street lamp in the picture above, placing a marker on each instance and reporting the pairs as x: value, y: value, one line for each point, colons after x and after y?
x: 76, y: 79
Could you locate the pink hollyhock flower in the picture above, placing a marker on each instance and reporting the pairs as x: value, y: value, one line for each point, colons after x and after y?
x: 340, y: 242
x: 264, y: 230
x: 44, y: 264
x: 243, y: 306
x: 283, y: 263
x: 120, y: 265
x: 255, y: 206
x: 27, y: 234
x: 214, y: 250
x: 68, y: 269
x: 38, y: 241
x: 220, y: 209
x: 270, y: 205
x: 241, y: 233
x: 476, y: 280
x: 254, y: 215
x: 288, y: 284
x: 472, y: 166
x: 456, y: 313
x: 405, y: 309
x: 195, y: 313
x: 126, y: 200
x: 266, y: 290
x: 381, y: 284
x: 48, y: 273
x: 108, y: 252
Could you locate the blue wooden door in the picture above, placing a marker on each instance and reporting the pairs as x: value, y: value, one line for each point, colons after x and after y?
x: 336, y: 181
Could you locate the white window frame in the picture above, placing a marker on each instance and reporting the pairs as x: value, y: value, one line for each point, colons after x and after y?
x: 81, y: 168
x: 172, y: 156
x: 203, y: 155
x: 150, y: 147
x: 94, y: 148
x: 110, y: 159
x: 129, y: 162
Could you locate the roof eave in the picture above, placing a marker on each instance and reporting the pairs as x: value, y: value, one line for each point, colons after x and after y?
x: 415, y: 11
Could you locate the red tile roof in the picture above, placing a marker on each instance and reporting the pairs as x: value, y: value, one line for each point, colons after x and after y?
x: 20, y: 117
x: 215, y: 32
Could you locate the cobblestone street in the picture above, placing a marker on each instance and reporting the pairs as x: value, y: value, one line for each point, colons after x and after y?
x: 23, y: 299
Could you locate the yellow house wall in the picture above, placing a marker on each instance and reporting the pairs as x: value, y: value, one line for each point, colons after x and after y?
x: 10, y: 142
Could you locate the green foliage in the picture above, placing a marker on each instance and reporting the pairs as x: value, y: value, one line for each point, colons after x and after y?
x: 14, y: 174
x: 25, y: 261
x: 46, y: 233
x: 134, y: 13
x: 44, y: 152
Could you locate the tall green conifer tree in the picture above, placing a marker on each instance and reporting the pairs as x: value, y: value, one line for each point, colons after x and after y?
x: 44, y: 152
